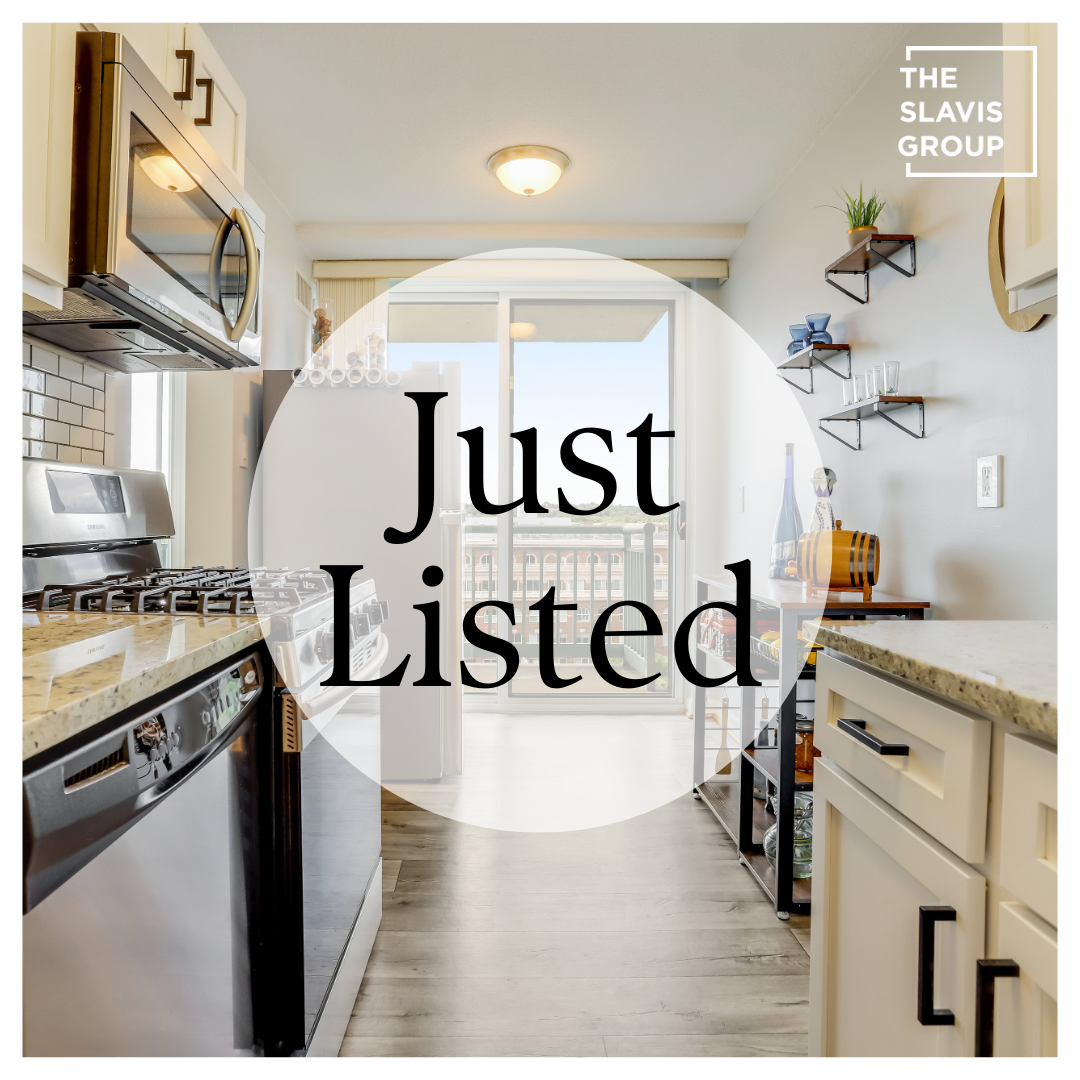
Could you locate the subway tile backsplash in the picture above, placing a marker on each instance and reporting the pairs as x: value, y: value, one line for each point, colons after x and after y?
x: 68, y: 412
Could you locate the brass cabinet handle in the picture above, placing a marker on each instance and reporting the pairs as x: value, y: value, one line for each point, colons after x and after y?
x: 208, y: 117
x: 187, y: 58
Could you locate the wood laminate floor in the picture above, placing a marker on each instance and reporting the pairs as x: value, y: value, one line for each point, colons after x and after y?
x: 641, y: 938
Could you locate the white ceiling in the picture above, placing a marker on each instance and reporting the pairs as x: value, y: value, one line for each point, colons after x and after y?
x: 387, y: 128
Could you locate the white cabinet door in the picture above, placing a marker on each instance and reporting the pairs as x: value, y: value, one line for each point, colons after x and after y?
x: 1030, y: 231
x: 48, y: 106
x: 157, y: 45
x: 873, y: 870
x: 227, y: 131
x: 1025, y: 1008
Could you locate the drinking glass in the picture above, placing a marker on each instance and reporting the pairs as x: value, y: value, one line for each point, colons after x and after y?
x: 849, y: 392
x: 879, y: 378
x: 892, y: 376
x: 871, y: 383
x: 857, y: 387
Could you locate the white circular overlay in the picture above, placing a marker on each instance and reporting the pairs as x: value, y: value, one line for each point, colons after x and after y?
x: 517, y: 341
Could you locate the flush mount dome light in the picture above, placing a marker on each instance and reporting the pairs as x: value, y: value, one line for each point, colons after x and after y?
x: 528, y: 170
x: 166, y: 171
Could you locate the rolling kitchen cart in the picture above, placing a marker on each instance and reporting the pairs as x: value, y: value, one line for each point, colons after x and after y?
x: 785, y: 605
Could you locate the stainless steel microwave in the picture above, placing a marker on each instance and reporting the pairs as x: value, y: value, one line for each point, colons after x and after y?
x: 166, y: 249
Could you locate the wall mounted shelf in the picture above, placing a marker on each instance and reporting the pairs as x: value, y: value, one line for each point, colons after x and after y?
x: 880, y: 406
x: 871, y: 252
x: 808, y: 357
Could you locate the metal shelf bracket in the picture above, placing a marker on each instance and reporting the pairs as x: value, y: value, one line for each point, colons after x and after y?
x: 876, y: 258
x: 821, y: 362
x: 857, y: 421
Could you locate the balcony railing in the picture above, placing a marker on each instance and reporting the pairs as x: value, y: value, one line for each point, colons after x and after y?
x: 595, y: 575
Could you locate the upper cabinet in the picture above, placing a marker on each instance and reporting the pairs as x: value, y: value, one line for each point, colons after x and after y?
x: 1030, y: 227
x: 208, y: 93
x: 48, y: 104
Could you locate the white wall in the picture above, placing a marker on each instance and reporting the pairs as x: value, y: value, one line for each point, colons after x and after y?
x: 286, y: 329
x: 988, y: 390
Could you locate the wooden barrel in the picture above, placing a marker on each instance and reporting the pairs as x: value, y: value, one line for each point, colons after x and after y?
x: 838, y: 560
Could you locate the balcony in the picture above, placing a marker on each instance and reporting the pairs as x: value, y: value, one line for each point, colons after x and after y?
x: 591, y: 566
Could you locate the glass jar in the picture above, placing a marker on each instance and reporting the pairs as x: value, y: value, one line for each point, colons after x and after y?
x: 803, y: 852
x: 804, y: 745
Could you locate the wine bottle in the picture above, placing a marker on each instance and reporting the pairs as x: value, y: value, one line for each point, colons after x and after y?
x: 788, y: 526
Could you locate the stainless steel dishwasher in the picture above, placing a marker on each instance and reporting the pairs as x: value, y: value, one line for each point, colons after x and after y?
x: 141, y: 878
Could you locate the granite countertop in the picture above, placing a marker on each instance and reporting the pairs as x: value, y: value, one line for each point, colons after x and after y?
x: 1007, y: 669
x: 80, y: 669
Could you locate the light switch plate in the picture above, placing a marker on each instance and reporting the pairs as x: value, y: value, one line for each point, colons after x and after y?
x: 988, y: 481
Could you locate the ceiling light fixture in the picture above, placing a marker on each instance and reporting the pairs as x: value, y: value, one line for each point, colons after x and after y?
x: 528, y: 170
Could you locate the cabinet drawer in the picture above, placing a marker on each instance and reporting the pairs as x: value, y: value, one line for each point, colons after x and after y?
x: 1029, y: 824
x: 941, y: 783
x: 874, y: 872
x: 1025, y: 1012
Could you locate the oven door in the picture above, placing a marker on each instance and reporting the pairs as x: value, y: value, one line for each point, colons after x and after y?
x: 180, y: 234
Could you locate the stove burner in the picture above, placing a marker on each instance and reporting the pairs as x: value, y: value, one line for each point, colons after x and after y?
x: 196, y: 591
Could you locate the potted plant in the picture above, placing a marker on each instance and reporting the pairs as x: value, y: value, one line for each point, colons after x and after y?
x: 861, y: 214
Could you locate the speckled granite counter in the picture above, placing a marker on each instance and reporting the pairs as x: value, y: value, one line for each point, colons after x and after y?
x: 1007, y: 669
x: 80, y: 669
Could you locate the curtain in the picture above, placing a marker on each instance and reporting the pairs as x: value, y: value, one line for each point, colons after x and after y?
x: 349, y: 295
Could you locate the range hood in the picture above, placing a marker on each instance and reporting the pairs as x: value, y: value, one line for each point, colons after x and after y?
x: 166, y: 247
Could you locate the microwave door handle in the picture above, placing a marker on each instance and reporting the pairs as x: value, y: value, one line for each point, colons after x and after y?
x: 217, y: 257
x: 243, y: 316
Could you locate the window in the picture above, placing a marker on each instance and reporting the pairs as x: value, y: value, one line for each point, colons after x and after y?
x: 616, y: 559
x: 485, y: 560
x: 656, y: 559
x: 616, y: 585
x: 533, y: 585
x: 530, y: 560
x: 517, y: 585
x: 596, y: 560
x: 468, y: 560
x: 582, y: 615
x: 661, y: 584
x: 482, y: 586
x: 534, y: 616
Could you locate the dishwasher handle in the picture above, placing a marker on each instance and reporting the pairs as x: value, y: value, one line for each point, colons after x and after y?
x: 857, y: 729
x: 148, y: 796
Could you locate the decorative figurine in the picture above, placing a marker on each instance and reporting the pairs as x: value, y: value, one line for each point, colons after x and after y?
x: 320, y: 332
x: 824, y: 480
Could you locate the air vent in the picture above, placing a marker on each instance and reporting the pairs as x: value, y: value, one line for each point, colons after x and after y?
x: 118, y: 759
x: 303, y: 291
x: 291, y: 738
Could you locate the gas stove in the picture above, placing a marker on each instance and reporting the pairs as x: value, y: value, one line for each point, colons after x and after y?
x: 89, y: 545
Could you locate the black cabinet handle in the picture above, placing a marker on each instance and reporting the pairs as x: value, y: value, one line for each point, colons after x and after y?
x: 928, y: 916
x: 857, y: 729
x: 986, y: 972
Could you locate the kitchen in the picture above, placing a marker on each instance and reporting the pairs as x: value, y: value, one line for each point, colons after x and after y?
x: 169, y: 689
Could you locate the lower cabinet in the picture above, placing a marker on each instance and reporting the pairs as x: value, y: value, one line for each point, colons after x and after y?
x: 898, y: 924
x: 914, y: 950
x: 1024, y: 1020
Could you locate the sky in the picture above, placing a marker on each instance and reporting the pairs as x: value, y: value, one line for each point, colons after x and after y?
x: 559, y: 387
